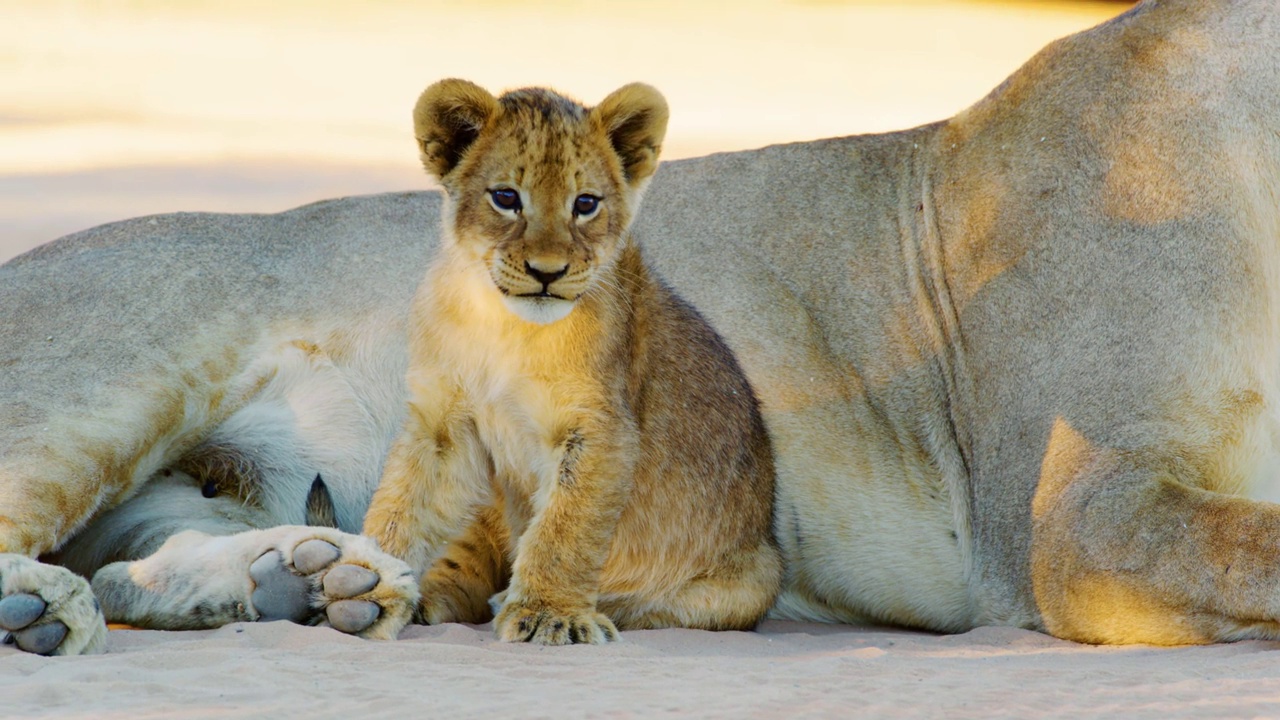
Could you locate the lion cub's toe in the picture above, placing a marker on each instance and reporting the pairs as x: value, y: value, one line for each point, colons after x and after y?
x: 548, y: 627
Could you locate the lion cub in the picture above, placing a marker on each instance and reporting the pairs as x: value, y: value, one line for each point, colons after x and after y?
x: 574, y: 427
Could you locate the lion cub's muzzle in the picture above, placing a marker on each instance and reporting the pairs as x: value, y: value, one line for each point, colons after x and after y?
x: 546, y: 274
x: 542, y: 291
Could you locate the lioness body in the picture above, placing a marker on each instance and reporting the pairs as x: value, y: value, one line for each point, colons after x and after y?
x: 1019, y: 367
x: 552, y: 376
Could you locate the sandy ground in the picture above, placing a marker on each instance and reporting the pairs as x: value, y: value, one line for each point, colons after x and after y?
x: 785, y: 670
x: 109, y: 110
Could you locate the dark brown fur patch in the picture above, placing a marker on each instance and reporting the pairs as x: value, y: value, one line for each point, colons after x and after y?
x: 227, y: 467
x: 321, y: 511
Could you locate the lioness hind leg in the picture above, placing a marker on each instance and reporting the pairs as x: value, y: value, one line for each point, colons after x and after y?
x: 1123, y: 551
x: 473, y: 568
x: 48, y: 610
x: 309, y: 575
x: 735, y: 596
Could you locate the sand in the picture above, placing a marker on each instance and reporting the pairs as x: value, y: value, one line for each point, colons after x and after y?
x: 784, y: 670
x: 113, y: 110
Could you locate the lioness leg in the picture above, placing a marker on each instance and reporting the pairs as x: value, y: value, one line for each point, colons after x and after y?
x: 56, y: 474
x: 735, y: 596
x: 474, y: 567
x: 304, y: 574
x: 1123, y: 552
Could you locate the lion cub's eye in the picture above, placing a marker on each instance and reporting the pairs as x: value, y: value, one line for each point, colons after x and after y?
x: 585, y: 205
x: 505, y: 199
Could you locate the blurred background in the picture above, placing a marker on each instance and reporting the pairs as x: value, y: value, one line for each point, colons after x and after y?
x: 116, y: 108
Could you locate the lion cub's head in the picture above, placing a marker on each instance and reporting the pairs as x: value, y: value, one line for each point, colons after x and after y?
x: 541, y: 189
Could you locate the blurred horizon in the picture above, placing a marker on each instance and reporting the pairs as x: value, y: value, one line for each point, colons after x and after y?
x: 113, y: 110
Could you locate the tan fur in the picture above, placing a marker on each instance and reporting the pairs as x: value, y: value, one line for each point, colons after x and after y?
x: 613, y: 436
x: 1019, y: 367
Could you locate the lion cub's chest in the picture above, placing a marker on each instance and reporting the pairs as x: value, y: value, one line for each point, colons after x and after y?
x: 519, y: 414
x: 525, y: 385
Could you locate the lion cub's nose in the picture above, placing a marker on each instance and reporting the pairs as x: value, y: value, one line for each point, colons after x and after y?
x: 545, y: 272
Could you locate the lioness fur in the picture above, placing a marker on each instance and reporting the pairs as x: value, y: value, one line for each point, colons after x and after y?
x: 550, y: 371
x: 1019, y: 367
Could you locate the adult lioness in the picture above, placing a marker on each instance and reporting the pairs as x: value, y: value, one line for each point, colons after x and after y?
x: 1019, y: 367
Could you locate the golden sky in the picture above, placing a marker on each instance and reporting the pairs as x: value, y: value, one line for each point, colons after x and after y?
x: 115, y: 109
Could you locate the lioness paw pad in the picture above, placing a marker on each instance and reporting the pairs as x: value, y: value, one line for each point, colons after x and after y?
x: 48, y: 610
x: 18, y: 612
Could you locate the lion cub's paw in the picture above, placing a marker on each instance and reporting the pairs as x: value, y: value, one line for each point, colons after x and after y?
x: 454, y: 597
x: 48, y: 610
x: 518, y: 623
x: 442, y: 603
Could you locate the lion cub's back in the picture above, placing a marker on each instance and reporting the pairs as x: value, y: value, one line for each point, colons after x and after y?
x: 703, y: 441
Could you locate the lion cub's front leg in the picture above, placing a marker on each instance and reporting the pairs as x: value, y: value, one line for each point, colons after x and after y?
x: 460, y: 585
x: 436, y: 476
x: 555, y: 580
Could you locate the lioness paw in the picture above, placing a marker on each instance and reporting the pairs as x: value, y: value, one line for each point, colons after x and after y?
x: 546, y: 627
x: 316, y: 588
x: 307, y: 575
x: 48, y: 610
x: 339, y: 580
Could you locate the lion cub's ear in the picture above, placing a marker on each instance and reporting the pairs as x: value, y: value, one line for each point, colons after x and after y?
x: 634, y: 117
x: 448, y: 117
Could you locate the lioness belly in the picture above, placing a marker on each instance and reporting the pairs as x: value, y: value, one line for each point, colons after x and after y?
x: 1255, y: 458
x: 866, y: 533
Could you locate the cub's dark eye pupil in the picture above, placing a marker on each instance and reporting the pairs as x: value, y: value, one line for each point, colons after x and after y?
x: 506, y: 199
x: 585, y: 204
